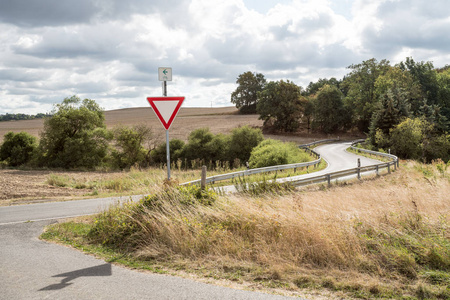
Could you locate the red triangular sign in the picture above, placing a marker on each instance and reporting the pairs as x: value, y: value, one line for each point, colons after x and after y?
x: 166, y: 108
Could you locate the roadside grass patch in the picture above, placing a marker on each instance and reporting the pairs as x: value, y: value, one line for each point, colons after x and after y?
x: 384, y: 238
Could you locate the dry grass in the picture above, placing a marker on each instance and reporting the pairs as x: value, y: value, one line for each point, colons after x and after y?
x: 382, y: 238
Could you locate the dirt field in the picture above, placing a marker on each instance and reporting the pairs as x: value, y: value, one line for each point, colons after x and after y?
x: 18, y: 186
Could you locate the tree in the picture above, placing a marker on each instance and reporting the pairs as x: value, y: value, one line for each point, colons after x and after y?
x: 242, y: 141
x: 245, y: 97
x: 280, y: 103
x: 361, y: 91
x: 425, y: 75
x: 314, y: 87
x: 75, y: 136
x: 129, y: 146
x: 17, y: 148
x: 176, y: 149
x: 390, y: 111
x: 329, y: 112
x: 196, y: 148
x: 443, y: 79
x: 407, y: 137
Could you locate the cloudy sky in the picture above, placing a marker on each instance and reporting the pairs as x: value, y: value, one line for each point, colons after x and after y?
x: 110, y: 50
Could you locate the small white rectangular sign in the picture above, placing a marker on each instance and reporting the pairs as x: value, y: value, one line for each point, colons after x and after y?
x: 165, y: 74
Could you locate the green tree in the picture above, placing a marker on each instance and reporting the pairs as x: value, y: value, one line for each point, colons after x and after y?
x: 281, y: 103
x: 196, y: 147
x: 243, y: 140
x: 245, y: 97
x: 130, y: 146
x: 329, y: 111
x: 390, y: 111
x: 443, y: 79
x: 426, y: 76
x: 314, y: 87
x: 75, y: 136
x: 361, y: 93
x: 407, y: 137
x: 176, y: 149
x: 17, y: 148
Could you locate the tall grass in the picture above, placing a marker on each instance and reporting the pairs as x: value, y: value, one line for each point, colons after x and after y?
x: 383, y: 238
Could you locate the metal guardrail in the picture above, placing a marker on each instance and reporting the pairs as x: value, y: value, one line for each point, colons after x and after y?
x: 351, y: 172
x: 213, y: 179
x: 311, y: 180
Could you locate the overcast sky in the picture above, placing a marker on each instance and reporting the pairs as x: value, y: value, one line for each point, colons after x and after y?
x: 110, y: 50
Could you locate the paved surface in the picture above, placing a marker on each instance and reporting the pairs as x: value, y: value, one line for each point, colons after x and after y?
x: 338, y: 159
x: 33, y: 269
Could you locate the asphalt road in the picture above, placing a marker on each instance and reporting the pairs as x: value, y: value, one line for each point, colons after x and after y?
x: 33, y: 269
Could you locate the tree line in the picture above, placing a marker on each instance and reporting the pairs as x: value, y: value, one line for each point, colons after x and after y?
x: 75, y: 136
x: 18, y: 117
x: 397, y: 106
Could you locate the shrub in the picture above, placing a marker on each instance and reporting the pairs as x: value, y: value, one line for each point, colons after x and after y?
x: 196, y: 146
x: 158, y: 155
x: 273, y: 152
x: 129, y: 144
x: 242, y: 142
x: 406, y: 138
x: 17, y: 148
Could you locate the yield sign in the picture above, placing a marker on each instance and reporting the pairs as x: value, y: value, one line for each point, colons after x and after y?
x: 166, y: 108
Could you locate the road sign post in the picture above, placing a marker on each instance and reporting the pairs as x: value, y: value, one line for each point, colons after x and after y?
x: 166, y: 109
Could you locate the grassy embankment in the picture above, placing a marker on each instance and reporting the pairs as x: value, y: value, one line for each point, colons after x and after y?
x: 382, y: 238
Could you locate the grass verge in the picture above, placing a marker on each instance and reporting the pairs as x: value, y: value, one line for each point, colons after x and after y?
x: 383, y: 238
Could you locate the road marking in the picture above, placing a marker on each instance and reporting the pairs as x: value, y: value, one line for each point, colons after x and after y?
x: 46, y: 219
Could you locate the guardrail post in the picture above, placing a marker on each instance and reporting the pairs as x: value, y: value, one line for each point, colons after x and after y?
x: 203, y: 181
x: 329, y: 179
x: 376, y: 170
x: 359, y: 169
x: 389, y: 168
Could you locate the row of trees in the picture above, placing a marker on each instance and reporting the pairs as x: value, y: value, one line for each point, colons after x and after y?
x: 75, y: 136
x: 374, y: 98
x: 17, y: 117
x: 230, y: 150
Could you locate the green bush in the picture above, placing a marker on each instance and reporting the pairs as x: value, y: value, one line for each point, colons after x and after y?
x: 158, y: 155
x: 17, y: 148
x: 129, y: 146
x: 75, y: 136
x: 242, y: 141
x: 273, y: 152
x: 196, y: 148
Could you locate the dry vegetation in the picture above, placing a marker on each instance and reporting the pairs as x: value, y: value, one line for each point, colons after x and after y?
x: 383, y: 238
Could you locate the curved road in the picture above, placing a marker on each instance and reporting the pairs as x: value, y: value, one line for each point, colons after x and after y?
x: 33, y: 269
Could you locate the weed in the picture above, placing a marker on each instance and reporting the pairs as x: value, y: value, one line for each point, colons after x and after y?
x: 58, y: 180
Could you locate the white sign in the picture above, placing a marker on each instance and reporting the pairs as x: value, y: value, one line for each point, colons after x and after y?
x: 166, y: 108
x: 165, y: 74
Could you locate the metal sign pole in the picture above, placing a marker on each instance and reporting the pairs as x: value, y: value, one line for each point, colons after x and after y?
x: 167, y: 136
x: 168, y: 154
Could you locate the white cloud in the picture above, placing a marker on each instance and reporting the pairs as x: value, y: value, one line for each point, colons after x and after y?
x: 110, y: 50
